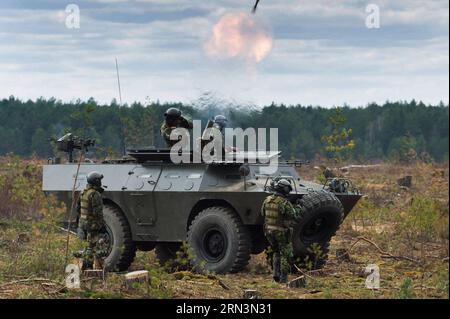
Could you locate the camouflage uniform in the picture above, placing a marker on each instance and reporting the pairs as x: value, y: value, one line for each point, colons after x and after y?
x: 217, y: 132
x: 91, y: 224
x: 279, y: 213
x: 166, y: 129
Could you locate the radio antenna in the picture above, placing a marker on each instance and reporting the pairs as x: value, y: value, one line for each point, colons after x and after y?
x: 118, y: 82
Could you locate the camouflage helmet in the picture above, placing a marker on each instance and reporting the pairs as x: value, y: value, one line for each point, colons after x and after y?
x: 220, y: 120
x: 173, y: 112
x: 283, y: 186
x: 95, y: 178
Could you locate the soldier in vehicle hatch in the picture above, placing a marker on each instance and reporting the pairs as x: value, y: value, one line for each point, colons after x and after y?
x: 173, y: 120
x: 218, y: 131
x: 91, y: 223
x: 279, y: 213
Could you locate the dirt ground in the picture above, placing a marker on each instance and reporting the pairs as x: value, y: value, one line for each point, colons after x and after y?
x: 404, y: 231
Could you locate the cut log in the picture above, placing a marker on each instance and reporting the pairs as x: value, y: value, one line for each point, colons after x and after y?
x: 136, y: 276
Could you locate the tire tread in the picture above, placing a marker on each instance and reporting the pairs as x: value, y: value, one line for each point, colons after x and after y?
x: 244, y: 243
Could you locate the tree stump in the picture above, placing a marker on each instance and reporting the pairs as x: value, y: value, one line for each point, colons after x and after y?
x: 299, y: 282
x: 136, y: 276
x: 405, y: 181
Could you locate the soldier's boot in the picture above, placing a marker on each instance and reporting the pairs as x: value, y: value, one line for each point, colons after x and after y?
x: 276, y: 267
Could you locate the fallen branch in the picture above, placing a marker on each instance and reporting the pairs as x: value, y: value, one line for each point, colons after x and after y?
x: 209, y: 283
x: 223, y: 285
x: 29, y: 280
x: 299, y: 282
x: 359, y: 166
x: 383, y: 254
x: 179, y: 275
x: 7, y: 291
x: 303, y: 273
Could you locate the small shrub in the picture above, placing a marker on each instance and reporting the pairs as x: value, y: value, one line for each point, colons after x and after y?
x: 182, y: 260
x: 313, y: 259
x: 21, y: 193
x: 442, y: 281
x: 406, y: 289
x: 421, y: 219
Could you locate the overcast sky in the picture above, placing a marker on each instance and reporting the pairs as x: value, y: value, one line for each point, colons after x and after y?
x: 317, y: 52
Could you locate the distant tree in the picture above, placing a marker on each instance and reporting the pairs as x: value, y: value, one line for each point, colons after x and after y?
x: 338, y: 144
x: 84, y: 119
x: 377, y: 131
x: 403, y: 149
x: 40, y: 144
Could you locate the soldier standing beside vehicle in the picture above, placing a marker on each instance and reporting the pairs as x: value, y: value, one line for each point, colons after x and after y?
x: 91, y: 223
x: 173, y: 120
x: 279, y: 214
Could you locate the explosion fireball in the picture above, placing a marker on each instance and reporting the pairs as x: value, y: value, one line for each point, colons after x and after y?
x: 239, y: 36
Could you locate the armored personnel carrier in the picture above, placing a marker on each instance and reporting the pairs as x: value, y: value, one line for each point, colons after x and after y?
x: 152, y: 203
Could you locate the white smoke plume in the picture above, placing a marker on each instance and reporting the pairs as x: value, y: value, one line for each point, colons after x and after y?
x: 239, y: 36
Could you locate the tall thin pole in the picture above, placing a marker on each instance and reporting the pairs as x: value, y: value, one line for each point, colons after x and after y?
x: 118, y: 82
x: 72, y: 207
x: 255, y: 6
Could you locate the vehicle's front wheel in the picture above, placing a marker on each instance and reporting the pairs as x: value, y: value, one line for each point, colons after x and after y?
x: 219, y: 241
x: 323, y: 213
x: 121, y: 249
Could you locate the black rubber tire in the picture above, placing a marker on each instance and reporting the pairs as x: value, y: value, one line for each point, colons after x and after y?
x: 323, y: 214
x: 235, y: 238
x: 166, y: 252
x: 123, y: 249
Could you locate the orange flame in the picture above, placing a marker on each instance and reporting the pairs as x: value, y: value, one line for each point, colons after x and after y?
x: 239, y: 35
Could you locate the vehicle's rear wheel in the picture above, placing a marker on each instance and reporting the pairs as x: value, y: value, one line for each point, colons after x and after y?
x: 121, y: 249
x: 219, y: 241
x: 322, y: 216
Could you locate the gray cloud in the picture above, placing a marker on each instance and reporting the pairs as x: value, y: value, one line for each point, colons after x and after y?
x: 322, y: 53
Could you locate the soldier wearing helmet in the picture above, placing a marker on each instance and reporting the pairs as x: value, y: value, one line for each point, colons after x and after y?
x: 173, y: 120
x: 90, y: 221
x: 220, y: 122
x: 218, y: 131
x: 278, y: 214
